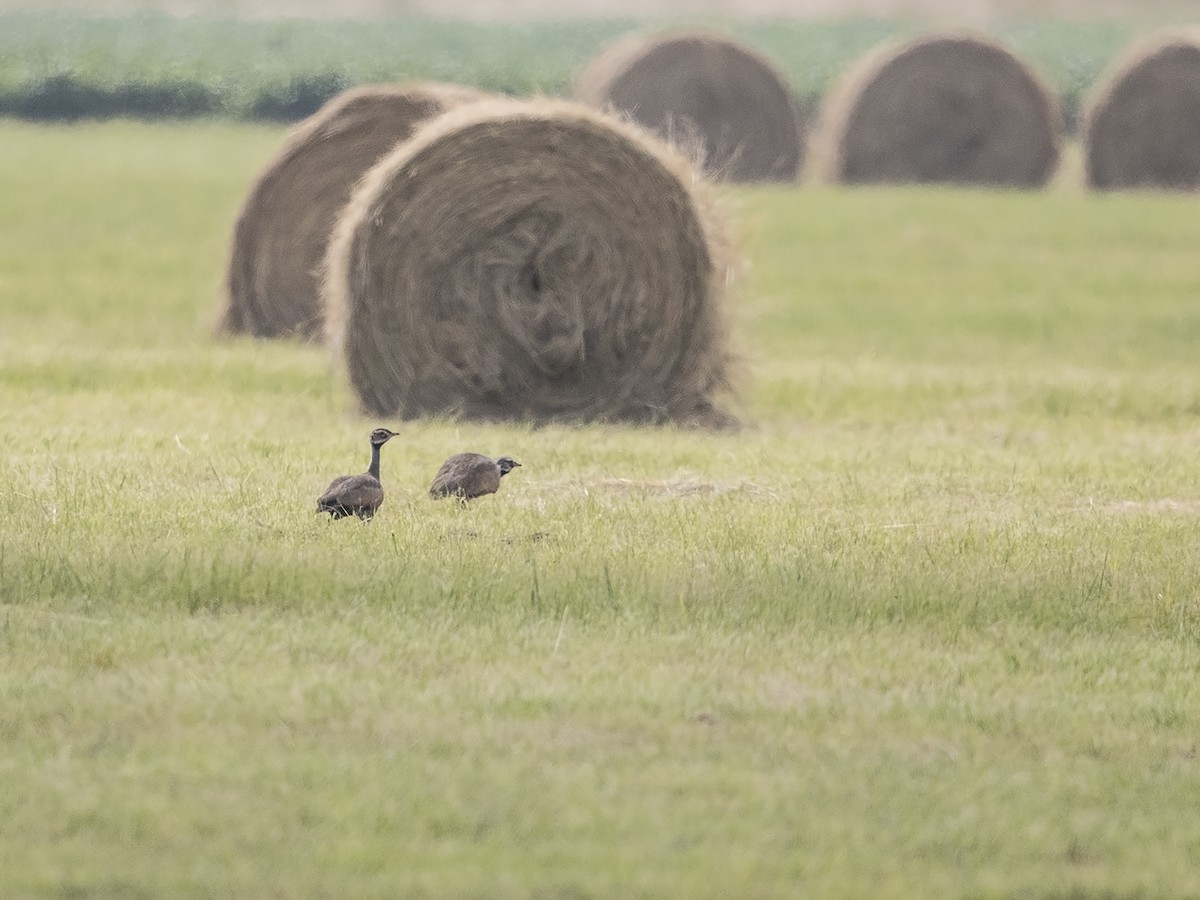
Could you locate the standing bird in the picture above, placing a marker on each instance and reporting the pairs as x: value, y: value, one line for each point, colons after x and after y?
x: 357, y: 495
x: 469, y: 475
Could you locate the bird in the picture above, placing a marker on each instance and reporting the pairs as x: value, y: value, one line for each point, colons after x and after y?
x: 470, y: 475
x: 357, y: 495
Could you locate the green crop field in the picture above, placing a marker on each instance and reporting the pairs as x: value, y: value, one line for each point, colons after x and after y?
x: 67, y: 66
x: 929, y: 625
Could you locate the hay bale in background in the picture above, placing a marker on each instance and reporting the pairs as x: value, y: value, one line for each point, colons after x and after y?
x: 282, y: 232
x: 1142, y: 121
x: 722, y: 97
x: 942, y: 108
x: 531, y: 261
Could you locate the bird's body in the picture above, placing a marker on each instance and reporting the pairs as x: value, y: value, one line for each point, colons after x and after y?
x: 470, y: 475
x: 353, y: 495
x: 357, y: 495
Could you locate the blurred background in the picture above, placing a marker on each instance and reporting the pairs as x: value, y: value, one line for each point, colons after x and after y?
x: 961, y: 10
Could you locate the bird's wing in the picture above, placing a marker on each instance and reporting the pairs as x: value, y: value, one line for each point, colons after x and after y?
x: 449, y: 477
x: 329, y: 498
x: 353, y: 492
x: 483, y: 479
x: 466, y: 475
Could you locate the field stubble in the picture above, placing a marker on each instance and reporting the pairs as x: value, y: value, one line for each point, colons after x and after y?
x: 927, y: 626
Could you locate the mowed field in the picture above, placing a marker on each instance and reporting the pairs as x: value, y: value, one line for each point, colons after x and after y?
x: 927, y: 626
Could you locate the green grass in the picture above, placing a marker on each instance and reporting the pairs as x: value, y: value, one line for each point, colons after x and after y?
x: 928, y: 626
x: 62, y: 66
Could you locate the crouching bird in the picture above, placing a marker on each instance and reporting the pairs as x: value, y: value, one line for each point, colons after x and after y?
x: 470, y: 475
x: 357, y: 495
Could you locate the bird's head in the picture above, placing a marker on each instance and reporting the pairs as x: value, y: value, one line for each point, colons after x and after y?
x: 506, y: 464
x: 381, y: 436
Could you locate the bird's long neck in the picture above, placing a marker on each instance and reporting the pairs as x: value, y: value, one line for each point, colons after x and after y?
x: 374, y: 470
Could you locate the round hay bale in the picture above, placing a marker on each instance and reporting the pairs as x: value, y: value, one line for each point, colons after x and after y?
x: 531, y: 261
x: 282, y: 231
x: 719, y: 98
x: 1142, y: 121
x: 943, y: 108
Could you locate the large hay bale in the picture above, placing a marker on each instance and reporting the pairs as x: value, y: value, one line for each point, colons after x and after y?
x: 942, y: 108
x: 531, y: 261
x: 282, y: 233
x: 1142, y: 121
x: 723, y: 98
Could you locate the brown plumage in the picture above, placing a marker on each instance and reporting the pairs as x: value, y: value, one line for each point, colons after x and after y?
x: 469, y: 475
x: 357, y: 495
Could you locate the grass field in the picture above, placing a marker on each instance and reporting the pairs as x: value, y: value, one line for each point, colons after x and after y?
x: 65, y: 66
x: 927, y: 627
